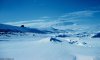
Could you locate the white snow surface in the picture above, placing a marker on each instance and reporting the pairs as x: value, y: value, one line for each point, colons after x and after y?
x: 34, y: 46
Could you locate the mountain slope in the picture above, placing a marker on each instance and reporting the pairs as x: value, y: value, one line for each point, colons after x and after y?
x: 10, y: 28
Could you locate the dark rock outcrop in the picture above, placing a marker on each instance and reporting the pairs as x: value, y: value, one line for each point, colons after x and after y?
x: 96, y: 36
x: 55, y: 39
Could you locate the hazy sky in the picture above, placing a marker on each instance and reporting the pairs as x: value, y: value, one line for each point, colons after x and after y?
x: 18, y: 10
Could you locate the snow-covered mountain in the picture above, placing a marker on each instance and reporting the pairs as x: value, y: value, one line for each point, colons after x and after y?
x: 10, y: 28
x: 47, y: 40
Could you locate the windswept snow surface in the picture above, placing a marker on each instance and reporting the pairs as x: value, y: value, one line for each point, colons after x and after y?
x: 63, y: 40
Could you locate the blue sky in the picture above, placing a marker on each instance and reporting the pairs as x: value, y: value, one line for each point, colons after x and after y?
x: 19, y: 10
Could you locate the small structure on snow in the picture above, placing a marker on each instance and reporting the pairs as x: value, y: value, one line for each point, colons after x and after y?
x: 22, y: 26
